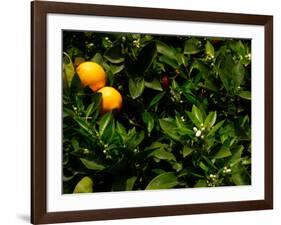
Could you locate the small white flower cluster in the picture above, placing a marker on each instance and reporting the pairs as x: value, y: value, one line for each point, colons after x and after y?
x: 199, y: 132
x: 86, y: 151
x: 248, y: 56
x: 109, y: 42
x: 107, y: 154
x: 136, y: 43
x: 176, y: 96
x: 213, y: 180
x: 226, y: 170
x: 90, y: 45
x: 210, y: 57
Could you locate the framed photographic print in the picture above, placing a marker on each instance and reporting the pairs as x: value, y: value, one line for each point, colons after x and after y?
x: 142, y: 112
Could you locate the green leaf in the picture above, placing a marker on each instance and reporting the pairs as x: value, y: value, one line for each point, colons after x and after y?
x: 154, y: 84
x: 225, y: 64
x: 201, y: 183
x: 146, y: 56
x: 238, y: 73
x: 124, y: 184
x: 156, y: 99
x: 84, y: 125
x: 136, y: 87
x: 97, y: 58
x: 236, y: 154
x: 148, y: 120
x: 204, y: 167
x: 116, y: 69
x: 192, y: 46
x: 240, y: 176
x: 134, y: 139
x: 92, y: 165
x: 109, y: 132
x: 193, y: 119
x: 167, y: 51
x: 168, y: 61
x: 130, y: 183
x: 222, y: 153
x: 237, y: 46
x: 68, y: 178
x: 169, y: 127
x: 104, y: 122
x: 245, y: 95
x: 85, y: 185
x: 197, y: 114
x: 210, y: 51
x: 160, y: 152
x: 163, y: 181
x: 209, y: 162
x: 114, y: 55
x: 142, y: 155
x: 69, y: 70
x: 121, y: 131
x: 75, y: 84
x: 211, y: 85
x: 210, y: 120
x: 215, y: 128
x: 182, y: 129
x: 93, y: 108
x: 186, y: 151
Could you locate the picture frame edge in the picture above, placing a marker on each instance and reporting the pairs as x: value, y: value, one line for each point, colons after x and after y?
x: 39, y: 214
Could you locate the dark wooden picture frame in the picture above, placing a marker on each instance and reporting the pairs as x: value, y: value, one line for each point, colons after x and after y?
x: 39, y: 13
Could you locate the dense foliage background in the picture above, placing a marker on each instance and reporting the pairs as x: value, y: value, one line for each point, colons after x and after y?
x: 185, y: 120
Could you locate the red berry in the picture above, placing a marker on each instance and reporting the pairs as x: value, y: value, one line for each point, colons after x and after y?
x: 165, y: 82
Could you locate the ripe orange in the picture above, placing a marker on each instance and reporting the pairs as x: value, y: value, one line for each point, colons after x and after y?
x: 111, y: 99
x: 91, y: 74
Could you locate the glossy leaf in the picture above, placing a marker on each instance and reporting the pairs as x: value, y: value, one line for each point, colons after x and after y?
x: 215, y: 128
x: 192, y: 46
x: 169, y: 127
x: 124, y: 184
x: 186, y: 151
x: 69, y: 70
x: 163, y: 181
x: 222, y: 153
x: 209, y: 48
x: 161, y: 153
x: 97, y: 58
x: 148, y: 120
x: 167, y: 50
x: 85, y: 185
x: 197, y: 114
x: 210, y: 120
x: 154, y: 84
x: 92, y: 165
x: 146, y: 56
x: 245, y: 95
x: 104, y: 122
x: 156, y: 99
x: 94, y: 107
x: 114, y: 55
x: 136, y: 87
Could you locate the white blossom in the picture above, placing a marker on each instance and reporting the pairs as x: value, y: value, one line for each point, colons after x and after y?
x: 198, y: 133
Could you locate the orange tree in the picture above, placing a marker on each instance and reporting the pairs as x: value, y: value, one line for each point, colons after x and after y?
x: 183, y: 118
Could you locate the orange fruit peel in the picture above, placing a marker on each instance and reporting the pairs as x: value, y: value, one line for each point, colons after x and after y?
x: 91, y: 74
x: 111, y: 99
